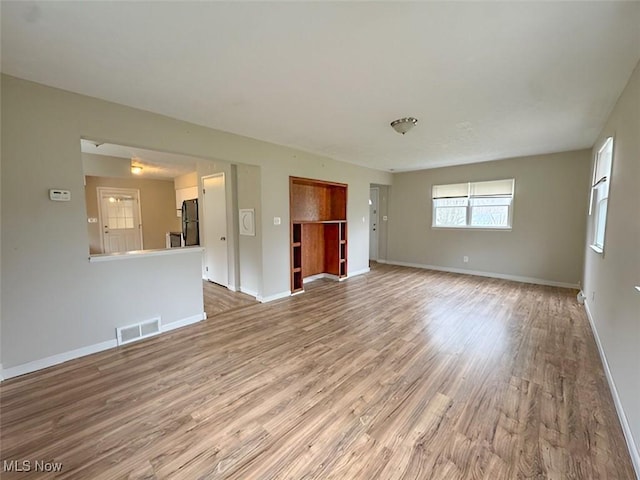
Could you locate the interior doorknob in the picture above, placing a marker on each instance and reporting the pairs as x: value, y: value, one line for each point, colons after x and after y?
x: 223, y: 238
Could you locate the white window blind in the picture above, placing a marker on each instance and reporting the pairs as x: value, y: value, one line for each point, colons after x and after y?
x: 473, y: 204
x: 494, y: 188
x: 451, y: 191
x: 600, y: 193
x: 603, y: 162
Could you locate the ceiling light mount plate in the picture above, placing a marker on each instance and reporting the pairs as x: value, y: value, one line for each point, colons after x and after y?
x: 403, y: 125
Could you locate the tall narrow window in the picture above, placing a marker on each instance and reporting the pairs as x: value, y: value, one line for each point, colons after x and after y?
x: 600, y: 193
x: 474, y: 204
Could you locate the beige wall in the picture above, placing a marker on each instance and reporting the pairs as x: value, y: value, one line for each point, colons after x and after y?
x: 106, y: 166
x: 546, y: 242
x: 187, y: 180
x: 41, y: 129
x: 1, y: 150
x: 157, y: 206
x: 609, y: 279
x: 249, y: 196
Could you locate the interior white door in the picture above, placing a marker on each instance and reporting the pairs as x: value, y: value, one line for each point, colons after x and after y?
x: 214, y: 224
x: 120, y: 219
x: 373, y: 223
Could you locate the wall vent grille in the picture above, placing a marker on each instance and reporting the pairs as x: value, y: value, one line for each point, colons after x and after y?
x: 138, y: 331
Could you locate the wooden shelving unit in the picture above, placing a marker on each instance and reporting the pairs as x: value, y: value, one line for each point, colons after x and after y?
x: 296, y: 255
x: 318, y: 213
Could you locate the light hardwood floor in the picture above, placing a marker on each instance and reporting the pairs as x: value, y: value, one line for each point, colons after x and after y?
x: 219, y: 299
x: 397, y: 374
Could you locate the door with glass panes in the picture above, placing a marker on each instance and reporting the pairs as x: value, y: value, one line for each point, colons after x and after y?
x: 120, y: 219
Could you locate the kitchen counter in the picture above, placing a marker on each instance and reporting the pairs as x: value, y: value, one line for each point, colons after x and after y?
x: 107, y: 257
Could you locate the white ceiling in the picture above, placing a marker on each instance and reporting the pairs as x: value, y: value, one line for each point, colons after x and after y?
x: 486, y: 80
x: 159, y: 165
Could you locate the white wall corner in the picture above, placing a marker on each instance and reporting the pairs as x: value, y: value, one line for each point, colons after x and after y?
x: 478, y: 273
x: 271, y: 298
x: 358, y: 272
x: 249, y: 292
x: 634, y: 452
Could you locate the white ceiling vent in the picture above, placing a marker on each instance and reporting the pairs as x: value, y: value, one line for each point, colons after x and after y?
x: 138, y: 331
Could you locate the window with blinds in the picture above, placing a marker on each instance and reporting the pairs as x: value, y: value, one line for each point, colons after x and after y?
x: 473, y: 204
x: 600, y: 193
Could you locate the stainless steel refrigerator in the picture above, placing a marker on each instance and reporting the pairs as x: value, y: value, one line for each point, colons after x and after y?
x: 190, y: 230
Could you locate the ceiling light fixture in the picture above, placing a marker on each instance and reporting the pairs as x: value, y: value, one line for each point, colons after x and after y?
x: 403, y: 125
x: 136, y: 169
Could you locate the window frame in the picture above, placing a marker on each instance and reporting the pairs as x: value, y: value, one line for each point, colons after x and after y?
x: 600, y: 192
x: 469, y: 207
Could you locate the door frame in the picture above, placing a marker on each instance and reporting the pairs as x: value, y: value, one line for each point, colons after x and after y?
x: 377, y: 233
x: 124, y: 191
x: 203, y: 220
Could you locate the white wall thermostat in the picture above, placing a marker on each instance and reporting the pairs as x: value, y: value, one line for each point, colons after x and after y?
x: 59, y: 195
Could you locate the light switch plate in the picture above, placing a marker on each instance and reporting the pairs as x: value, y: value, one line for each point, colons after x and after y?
x: 92, y: 220
x: 384, y: 218
x: 277, y: 221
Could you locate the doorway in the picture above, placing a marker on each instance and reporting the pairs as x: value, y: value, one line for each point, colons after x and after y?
x: 374, y: 200
x: 215, y: 229
x: 119, y: 216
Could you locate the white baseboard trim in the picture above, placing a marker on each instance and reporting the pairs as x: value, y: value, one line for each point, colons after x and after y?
x: 330, y: 276
x: 357, y: 272
x: 184, y: 322
x: 232, y: 288
x: 311, y: 278
x: 503, y: 276
x: 84, y: 351
x: 56, y: 359
x: 271, y: 298
x: 380, y: 261
x: 249, y: 292
x: 1, y: 374
x: 626, y: 428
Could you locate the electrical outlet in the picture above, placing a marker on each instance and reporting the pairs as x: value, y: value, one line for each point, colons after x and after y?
x: 465, y: 259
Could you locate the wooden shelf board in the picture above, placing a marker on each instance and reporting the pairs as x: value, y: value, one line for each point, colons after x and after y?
x: 314, y: 182
x: 296, y: 244
x: 297, y: 269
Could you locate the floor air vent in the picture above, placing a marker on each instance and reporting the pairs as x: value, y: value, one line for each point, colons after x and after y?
x: 141, y: 330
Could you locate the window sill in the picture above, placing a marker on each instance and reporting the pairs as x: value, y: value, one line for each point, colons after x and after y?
x: 475, y: 229
x: 597, y: 249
